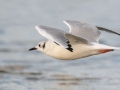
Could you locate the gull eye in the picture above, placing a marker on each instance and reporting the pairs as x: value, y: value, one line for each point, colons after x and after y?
x: 39, y: 45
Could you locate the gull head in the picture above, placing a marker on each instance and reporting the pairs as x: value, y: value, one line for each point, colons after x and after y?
x: 39, y: 47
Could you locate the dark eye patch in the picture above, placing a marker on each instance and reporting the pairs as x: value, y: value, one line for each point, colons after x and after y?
x: 44, y: 45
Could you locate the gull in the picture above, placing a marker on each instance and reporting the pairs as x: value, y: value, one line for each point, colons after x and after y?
x: 81, y: 41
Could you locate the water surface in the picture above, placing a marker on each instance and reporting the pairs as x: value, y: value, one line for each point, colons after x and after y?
x: 23, y: 70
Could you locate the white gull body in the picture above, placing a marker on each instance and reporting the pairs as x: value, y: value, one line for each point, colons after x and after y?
x: 81, y: 41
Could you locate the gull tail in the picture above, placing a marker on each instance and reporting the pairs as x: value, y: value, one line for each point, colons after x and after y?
x: 101, y: 48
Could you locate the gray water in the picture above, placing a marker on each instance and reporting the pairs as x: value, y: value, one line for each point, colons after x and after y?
x: 23, y: 70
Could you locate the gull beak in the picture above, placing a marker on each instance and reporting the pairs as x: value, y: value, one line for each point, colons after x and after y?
x: 32, y: 49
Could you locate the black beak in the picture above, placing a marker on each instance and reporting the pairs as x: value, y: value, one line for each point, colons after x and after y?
x: 32, y: 49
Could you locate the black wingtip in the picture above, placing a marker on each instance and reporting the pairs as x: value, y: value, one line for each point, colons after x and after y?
x: 107, y: 30
x: 69, y: 47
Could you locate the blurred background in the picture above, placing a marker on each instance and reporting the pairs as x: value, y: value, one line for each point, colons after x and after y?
x: 24, y: 70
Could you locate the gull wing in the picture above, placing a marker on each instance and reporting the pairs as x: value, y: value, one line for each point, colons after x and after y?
x: 79, y: 29
x: 87, y: 31
x: 107, y: 30
x: 58, y: 36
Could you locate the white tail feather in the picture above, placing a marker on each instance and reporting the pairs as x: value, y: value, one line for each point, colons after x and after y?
x: 102, y: 46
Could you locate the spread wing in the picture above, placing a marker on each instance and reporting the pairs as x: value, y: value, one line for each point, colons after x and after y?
x: 84, y: 30
x: 87, y: 31
x: 58, y: 36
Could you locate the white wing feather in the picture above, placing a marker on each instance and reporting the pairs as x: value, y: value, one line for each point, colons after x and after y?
x: 79, y: 29
x: 53, y: 34
x: 58, y: 36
